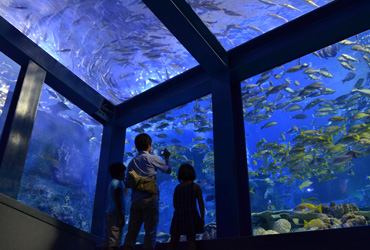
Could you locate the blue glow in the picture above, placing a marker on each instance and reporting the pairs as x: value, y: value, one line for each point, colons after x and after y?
x: 187, y: 132
x: 308, y: 135
x: 9, y: 71
x: 108, y: 44
x: 234, y: 22
x: 61, y: 168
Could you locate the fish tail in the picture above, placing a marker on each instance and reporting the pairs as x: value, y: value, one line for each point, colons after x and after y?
x: 305, y: 223
x: 319, y: 208
x: 300, y: 187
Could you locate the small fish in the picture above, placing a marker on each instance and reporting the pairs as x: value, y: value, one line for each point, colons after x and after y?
x: 290, y: 7
x: 269, y: 124
x: 310, y: 2
x: 209, y: 197
x: 313, y: 223
x: 299, y: 116
x: 305, y: 184
x: 161, y: 135
x: 307, y: 208
x: 278, y: 17
x: 349, y: 77
x: 268, y: 2
x: 255, y: 28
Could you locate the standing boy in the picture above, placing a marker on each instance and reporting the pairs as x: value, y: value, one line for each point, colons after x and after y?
x: 116, y: 210
x: 145, y: 207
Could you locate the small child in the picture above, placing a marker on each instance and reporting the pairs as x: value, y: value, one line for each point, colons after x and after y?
x: 116, y: 209
x: 186, y: 219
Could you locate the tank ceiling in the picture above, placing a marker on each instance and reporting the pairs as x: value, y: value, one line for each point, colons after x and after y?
x: 119, y: 48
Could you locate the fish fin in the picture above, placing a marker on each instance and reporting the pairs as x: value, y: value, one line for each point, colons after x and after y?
x: 305, y: 223
x: 319, y: 208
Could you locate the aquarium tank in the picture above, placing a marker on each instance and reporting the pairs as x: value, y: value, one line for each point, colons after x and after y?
x: 187, y: 132
x: 61, y: 168
x: 119, y: 48
x: 234, y: 22
x: 9, y: 72
x: 307, y: 126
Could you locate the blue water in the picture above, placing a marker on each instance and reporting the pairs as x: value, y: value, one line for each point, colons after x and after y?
x: 62, y: 162
x: 186, y: 146
x: 276, y: 187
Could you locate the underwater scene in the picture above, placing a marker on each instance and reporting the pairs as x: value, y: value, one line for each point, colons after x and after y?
x: 234, y: 22
x: 62, y: 162
x: 307, y: 126
x: 121, y: 49
x: 9, y: 71
x: 187, y: 132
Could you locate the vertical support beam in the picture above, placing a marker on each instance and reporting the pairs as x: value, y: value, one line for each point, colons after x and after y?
x: 112, y: 150
x: 231, y: 172
x: 18, y: 128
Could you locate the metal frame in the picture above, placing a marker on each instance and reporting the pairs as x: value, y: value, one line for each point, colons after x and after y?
x: 219, y: 73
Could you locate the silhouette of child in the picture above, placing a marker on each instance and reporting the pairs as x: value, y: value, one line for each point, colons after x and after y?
x: 116, y: 210
x: 186, y: 219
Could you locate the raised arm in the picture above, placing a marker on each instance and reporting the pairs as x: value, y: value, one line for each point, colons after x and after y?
x: 166, y: 155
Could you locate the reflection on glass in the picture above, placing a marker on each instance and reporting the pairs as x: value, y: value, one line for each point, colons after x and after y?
x: 9, y: 71
x: 119, y: 48
x: 234, y: 22
x: 187, y: 132
x: 60, y: 172
x: 308, y: 140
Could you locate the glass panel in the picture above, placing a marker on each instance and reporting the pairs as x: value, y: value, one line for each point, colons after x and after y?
x: 119, y: 48
x: 61, y: 168
x: 9, y: 72
x: 308, y: 136
x: 235, y: 22
x: 187, y: 132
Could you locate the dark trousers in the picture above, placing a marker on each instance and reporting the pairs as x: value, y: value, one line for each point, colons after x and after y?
x: 143, y: 211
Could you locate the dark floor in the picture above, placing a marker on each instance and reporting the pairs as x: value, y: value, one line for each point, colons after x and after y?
x: 338, y: 239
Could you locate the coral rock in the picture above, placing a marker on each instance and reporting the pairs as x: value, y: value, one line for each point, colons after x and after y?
x: 282, y: 226
x: 352, y: 220
x: 271, y: 232
x: 259, y: 231
x: 340, y: 210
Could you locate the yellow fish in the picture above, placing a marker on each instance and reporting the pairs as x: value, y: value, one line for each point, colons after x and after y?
x: 305, y: 184
x: 308, y: 208
x: 314, y: 222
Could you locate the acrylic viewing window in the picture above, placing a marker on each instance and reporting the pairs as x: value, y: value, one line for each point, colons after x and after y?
x: 9, y: 71
x: 60, y: 172
x: 308, y: 135
x: 187, y: 132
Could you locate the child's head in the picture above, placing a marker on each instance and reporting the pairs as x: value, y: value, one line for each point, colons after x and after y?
x: 117, y: 170
x: 186, y: 173
x: 142, y: 142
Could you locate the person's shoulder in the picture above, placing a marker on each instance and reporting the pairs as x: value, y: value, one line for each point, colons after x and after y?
x: 196, y: 186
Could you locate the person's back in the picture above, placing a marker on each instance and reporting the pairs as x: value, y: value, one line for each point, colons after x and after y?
x: 186, y: 219
x: 145, y: 206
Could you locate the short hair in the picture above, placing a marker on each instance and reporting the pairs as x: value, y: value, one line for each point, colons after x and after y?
x: 142, y: 142
x: 115, y: 169
x: 186, y: 173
